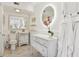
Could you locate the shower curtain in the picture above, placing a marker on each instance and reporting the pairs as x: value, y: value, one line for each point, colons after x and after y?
x: 76, y: 40
x: 66, y: 40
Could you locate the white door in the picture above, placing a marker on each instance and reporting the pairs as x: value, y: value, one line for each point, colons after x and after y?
x: 1, y: 32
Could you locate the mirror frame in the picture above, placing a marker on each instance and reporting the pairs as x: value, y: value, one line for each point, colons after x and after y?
x: 53, y: 20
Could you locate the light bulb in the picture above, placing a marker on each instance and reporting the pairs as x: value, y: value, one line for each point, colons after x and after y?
x: 17, y: 10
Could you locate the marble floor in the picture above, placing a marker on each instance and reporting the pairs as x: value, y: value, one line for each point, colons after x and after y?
x: 23, y: 51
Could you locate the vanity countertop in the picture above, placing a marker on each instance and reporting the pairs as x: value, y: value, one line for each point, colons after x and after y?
x: 44, y: 36
x: 23, y: 32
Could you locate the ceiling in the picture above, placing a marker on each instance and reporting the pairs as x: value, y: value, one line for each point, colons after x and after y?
x: 22, y: 5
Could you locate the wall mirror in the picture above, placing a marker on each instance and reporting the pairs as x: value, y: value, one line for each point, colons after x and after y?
x: 48, y: 15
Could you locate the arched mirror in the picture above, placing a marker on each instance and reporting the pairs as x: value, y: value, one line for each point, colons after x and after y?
x: 48, y: 15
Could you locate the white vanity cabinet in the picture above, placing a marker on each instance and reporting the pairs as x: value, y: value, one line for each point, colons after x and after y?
x: 23, y: 38
x: 45, y: 45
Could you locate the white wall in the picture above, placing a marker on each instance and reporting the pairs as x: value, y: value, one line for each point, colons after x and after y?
x: 56, y: 26
x: 1, y: 31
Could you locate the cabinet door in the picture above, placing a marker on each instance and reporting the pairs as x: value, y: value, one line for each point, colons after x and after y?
x: 23, y: 39
x: 40, y: 48
x: 26, y: 38
x: 42, y: 41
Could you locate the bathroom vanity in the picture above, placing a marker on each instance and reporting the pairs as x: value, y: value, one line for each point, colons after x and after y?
x: 46, y: 45
x: 23, y: 38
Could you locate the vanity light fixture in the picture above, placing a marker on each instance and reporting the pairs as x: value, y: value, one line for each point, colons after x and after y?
x: 17, y: 10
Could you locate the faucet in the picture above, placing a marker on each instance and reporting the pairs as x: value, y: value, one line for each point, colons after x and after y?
x: 50, y: 32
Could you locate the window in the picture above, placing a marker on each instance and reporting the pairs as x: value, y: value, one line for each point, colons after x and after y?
x: 17, y: 22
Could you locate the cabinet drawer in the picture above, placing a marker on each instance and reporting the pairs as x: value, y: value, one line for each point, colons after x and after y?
x: 40, y: 48
x: 41, y: 41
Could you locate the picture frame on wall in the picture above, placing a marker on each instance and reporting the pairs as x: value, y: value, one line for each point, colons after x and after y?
x: 33, y: 21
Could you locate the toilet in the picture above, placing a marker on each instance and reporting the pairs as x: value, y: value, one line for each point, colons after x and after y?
x: 13, y: 45
x: 13, y: 42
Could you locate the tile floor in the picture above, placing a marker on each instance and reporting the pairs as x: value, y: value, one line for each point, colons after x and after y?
x: 23, y: 51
